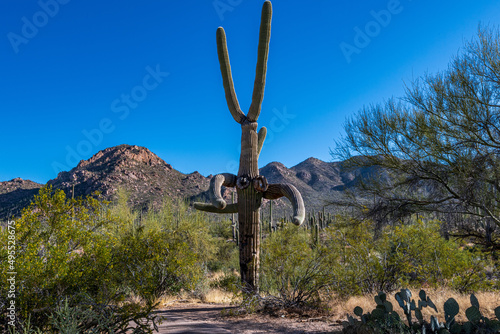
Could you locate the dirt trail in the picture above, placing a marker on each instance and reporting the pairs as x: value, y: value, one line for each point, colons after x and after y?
x: 207, y: 318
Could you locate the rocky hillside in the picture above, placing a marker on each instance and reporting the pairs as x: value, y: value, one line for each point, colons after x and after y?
x: 15, y: 195
x: 145, y: 176
x: 148, y: 179
x: 318, y: 181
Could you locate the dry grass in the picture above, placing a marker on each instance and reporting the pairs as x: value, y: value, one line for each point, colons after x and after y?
x: 181, y: 298
x: 340, y: 308
x: 212, y: 296
x: 214, y: 276
x: 218, y: 296
x: 488, y: 301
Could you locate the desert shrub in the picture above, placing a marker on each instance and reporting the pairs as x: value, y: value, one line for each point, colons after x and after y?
x: 89, y: 317
x: 349, y: 260
x: 221, y: 229
x: 180, y: 222
x: 189, y: 248
x: 153, y: 263
x: 353, y: 258
x: 59, y: 253
x: 93, y: 258
x: 226, y: 257
x: 417, y: 254
x: 407, y: 255
x: 293, y: 272
x: 228, y: 281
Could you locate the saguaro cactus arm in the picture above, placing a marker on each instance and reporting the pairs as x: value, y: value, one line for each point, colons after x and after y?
x: 260, y: 73
x: 219, y: 180
x: 261, y: 135
x: 277, y: 190
x: 227, y: 78
x: 230, y: 208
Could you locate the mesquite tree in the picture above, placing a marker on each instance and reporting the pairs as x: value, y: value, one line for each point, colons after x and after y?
x: 251, y: 187
x: 436, y: 149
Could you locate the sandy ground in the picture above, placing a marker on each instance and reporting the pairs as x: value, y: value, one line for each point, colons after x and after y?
x: 208, y: 318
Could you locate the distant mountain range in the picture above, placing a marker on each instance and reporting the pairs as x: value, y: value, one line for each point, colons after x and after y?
x: 148, y: 179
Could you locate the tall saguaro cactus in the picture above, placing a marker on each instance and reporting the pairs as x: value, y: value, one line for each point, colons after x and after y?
x: 251, y: 187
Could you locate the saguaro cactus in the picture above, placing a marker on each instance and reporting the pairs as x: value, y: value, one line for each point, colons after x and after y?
x: 250, y: 186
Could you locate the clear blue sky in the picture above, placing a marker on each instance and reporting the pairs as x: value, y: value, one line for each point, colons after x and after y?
x: 146, y: 73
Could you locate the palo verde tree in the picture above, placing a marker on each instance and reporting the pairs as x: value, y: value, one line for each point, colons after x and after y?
x: 251, y: 187
x: 437, y: 147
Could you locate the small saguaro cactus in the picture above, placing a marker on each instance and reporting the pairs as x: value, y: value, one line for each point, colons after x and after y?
x: 250, y: 186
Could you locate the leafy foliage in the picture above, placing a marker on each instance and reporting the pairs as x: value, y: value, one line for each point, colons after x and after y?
x: 294, y: 272
x: 350, y: 260
x: 436, y: 149
x: 80, y: 257
x: 402, y: 255
x: 83, y: 262
x: 419, y: 255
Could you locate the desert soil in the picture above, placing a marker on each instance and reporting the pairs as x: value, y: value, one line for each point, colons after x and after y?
x: 209, y: 318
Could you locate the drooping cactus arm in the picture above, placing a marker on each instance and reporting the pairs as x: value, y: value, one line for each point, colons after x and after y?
x: 260, y: 73
x: 230, y: 208
x: 277, y: 190
x: 227, y: 78
x: 219, y: 180
x: 261, y: 136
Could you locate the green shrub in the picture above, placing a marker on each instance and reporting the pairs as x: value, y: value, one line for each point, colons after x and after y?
x: 166, y: 251
x: 293, y: 272
x: 349, y: 260
x: 409, y: 255
x: 226, y: 254
x: 61, y: 250
x: 81, y: 252
x: 354, y: 260
x: 228, y: 282
x: 417, y: 254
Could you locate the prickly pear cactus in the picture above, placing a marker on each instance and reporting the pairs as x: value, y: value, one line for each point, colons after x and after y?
x: 251, y: 187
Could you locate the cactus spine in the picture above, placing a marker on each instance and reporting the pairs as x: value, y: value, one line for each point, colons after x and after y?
x: 250, y: 186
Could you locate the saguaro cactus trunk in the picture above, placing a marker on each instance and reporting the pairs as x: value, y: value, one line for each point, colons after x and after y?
x: 251, y: 187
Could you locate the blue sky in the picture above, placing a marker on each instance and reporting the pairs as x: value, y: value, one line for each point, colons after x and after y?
x: 80, y: 76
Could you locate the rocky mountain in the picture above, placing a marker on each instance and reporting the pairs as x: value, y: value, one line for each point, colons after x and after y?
x: 148, y: 180
x: 15, y: 195
x: 141, y: 173
x: 318, y: 181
